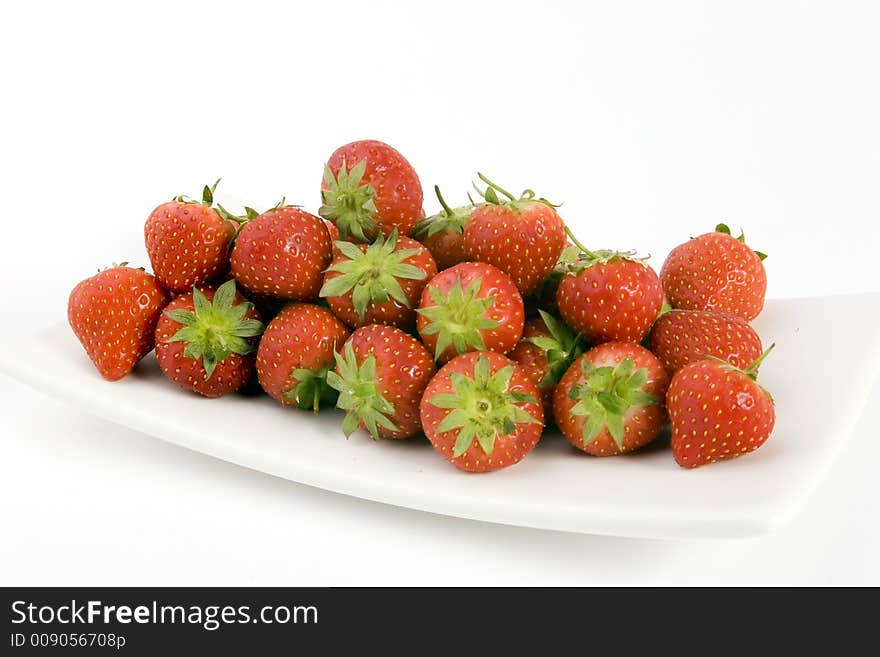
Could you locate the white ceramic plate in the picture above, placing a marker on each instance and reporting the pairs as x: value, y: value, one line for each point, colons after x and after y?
x: 827, y: 356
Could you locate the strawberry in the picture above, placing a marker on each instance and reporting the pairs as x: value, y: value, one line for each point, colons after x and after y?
x: 282, y: 252
x: 370, y: 188
x: 716, y: 272
x: 331, y: 229
x: 188, y: 242
x: 610, y: 401
x: 267, y: 306
x: 718, y: 412
x: 544, y: 297
x: 296, y: 352
x: 547, y: 349
x: 380, y: 376
x: 443, y: 233
x: 482, y: 412
x: 679, y: 337
x: 114, y: 315
x: 609, y: 296
x: 472, y: 306
x: 380, y: 283
x: 205, y: 340
x: 523, y: 237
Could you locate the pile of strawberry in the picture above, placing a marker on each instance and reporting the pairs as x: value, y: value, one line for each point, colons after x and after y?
x: 479, y: 325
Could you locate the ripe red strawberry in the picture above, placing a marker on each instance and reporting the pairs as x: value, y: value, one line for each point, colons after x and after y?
x: 472, y: 306
x: 716, y: 272
x: 188, y: 242
x: 481, y: 412
x: 380, y: 283
x: 369, y: 188
x: 682, y: 336
x: 381, y: 375
x: 296, y: 352
x: 547, y: 349
x: 282, y: 252
x: 544, y: 297
x: 609, y: 296
x: 114, y: 315
x: 523, y: 237
x: 205, y: 340
x: 443, y: 233
x: 718, y: 412
x: 611, y: 400
x: 331, y: 229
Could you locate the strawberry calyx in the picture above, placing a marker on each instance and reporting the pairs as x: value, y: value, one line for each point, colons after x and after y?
x: 251, y: 214
x: 751, y: 371
x: 482, y: 407
x: 117, y: 265
x: 458, y: 317
x: 208, y: 201
x: 358, y: 394
x: 570, y: 255
x: 725, y: 229
x: 448, y: 219
x: 607, y: 394
x: 348, y: 203
x: 576, y: 258
x: 561, y: 348
x: 311, y: 389
x: 372, y: 274
x: 216, y: 329
x: 242, y: 220
x: 490, y: 196
x: 207, y: 196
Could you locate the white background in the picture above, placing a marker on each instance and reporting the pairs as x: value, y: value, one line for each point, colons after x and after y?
x: 651, y: 121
